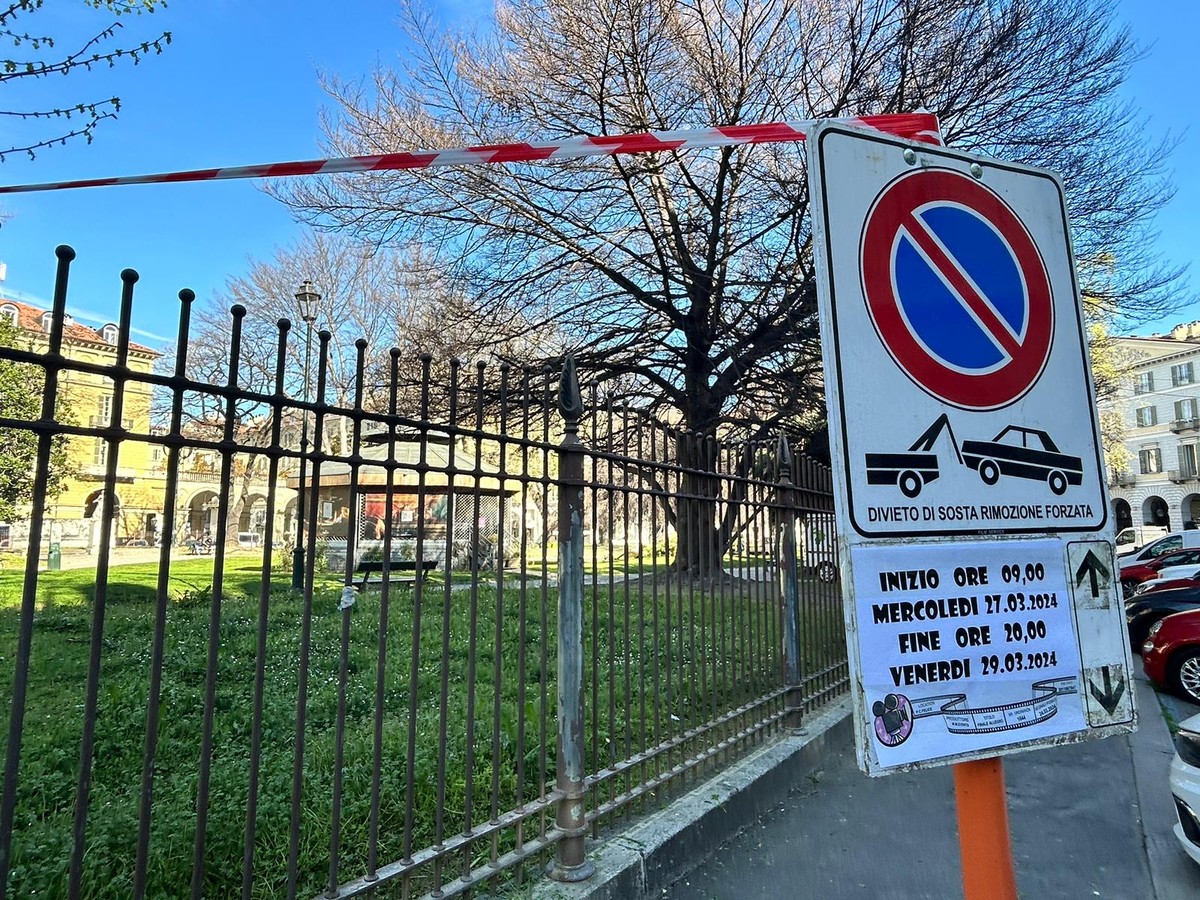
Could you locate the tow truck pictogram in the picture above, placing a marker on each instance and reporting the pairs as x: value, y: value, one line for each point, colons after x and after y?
x: 1016, y: 452
x: 915, y: 468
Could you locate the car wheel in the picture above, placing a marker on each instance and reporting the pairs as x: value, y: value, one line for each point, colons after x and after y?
x: 1184, y: 676
x: 989, y: 471
x: 910, y: 483
x: 1127, y: 588
x: 1058, y: 482
x: 826, y: 571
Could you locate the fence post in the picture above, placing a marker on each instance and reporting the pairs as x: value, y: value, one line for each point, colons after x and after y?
x: 569, y: 863
x: 789, y: 584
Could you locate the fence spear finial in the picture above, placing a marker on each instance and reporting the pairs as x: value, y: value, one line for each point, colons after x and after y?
x: 570, y: 400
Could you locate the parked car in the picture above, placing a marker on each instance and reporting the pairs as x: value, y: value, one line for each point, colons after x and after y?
x: 1178, y: 540
x: 1165, y: 574
x: 1171, y: 654
x: 1143, y: 611
x: 1164, y: 584
x: 1132, y: 576
x: 1185, y: 786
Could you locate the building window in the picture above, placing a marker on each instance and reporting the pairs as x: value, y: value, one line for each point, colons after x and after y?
x: 1146, y: 416
x: 1182, y: 374
x: 1143, y: 383
x: 109, y: 334
x: 47, y: 321
x: 9, y: 312
x: 1150, y: 461
x: 1187, y: 460
x: 1185, y: 409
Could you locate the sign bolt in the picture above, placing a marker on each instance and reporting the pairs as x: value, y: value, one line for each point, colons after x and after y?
x: 910, y: 156
x: 977, y: 170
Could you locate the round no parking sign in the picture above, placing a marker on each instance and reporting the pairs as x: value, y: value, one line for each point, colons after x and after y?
x: 956, y: 289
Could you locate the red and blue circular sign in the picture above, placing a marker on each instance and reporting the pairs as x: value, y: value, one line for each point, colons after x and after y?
x: 957, y: 289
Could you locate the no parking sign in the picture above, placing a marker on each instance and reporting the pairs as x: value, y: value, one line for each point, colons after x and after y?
x: 963, y: 304
x: 982, y: 612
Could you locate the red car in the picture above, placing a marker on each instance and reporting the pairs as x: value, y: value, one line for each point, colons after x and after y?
x: 1190, y: 581
x: 1132, y: 576
x: 1171, y: 654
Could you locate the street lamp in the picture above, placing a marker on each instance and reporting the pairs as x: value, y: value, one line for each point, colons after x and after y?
x: 307, y: 299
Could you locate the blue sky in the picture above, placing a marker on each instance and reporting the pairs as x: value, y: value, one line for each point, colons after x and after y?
x: 238, y: 86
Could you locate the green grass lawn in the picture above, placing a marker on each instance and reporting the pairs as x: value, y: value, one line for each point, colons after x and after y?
x: 699, y: 664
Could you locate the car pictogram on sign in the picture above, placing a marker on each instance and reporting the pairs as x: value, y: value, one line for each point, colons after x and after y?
x: 1023, y: 453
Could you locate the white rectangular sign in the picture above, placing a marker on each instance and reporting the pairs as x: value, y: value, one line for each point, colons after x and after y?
x: 965, y: 647
x: 976, y: 542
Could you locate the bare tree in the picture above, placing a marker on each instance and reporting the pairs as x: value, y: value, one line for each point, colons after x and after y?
x: 684, y: 280
x: 35, y: 56
x: 390, y: 299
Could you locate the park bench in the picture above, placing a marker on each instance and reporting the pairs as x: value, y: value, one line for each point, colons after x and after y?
x: 369, y: 567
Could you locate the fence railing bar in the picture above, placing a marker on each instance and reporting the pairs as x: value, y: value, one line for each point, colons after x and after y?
x: 146, y: 796
x: 262, y: 625
x: 100, y: 596
x: 498, y: 649
x: 678, y: 771
x: 410, y: 762
x: 439, y: 838
x: 310, y: 556
x: 228, y: 450
x: 346, y: 607
x: 454, y: 845
x: 50, y: 365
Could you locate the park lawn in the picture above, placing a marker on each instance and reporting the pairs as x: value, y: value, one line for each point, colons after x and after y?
x: 623, y: 642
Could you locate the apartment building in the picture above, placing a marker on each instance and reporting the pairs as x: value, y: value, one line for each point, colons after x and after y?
x: 73, y: 518
x: 1158, y: 482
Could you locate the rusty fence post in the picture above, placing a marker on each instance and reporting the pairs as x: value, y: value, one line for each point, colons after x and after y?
x: 569, y: 863
x: 789, y: 591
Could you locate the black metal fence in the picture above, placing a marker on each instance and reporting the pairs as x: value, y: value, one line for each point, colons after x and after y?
x: 532, y: 616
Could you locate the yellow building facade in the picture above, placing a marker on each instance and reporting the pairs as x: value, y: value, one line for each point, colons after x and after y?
x: 73, y: 517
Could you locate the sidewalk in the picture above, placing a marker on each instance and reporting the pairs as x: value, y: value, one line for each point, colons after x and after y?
x: 1087, y: 820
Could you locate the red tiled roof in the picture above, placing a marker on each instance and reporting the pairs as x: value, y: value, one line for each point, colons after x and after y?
x: 29, y: 318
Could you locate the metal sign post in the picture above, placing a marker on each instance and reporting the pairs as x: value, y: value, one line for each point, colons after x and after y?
x: 982, y: 614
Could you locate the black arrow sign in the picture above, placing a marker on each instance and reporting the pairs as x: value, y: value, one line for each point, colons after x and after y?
x: 1112, y: 695
x: 1093, y: 566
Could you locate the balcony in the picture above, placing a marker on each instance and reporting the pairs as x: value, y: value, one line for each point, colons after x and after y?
x: 1123, y: 479
x: 1181, y: 425
x: 1179, y: 476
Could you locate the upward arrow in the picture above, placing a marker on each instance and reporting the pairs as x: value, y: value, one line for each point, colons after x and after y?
x: 1093, y: 567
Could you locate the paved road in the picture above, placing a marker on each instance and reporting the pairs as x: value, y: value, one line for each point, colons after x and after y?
x: 1076, y: 816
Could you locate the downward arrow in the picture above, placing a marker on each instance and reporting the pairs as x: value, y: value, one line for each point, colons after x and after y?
x: 1094, y: 567
x: 1111, y: 697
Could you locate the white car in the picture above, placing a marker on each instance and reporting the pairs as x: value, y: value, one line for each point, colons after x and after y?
x: 1168, y: 573
x: 1185, y: 786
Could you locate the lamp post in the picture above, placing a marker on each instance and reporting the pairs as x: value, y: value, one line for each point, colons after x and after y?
x: 307, y: 299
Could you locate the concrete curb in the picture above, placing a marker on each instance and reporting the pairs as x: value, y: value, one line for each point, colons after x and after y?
x: 662, y: 848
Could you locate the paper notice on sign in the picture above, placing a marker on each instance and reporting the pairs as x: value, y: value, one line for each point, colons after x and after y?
x: 964, y: 647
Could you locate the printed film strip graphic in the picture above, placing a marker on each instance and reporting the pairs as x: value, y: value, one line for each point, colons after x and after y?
x: 960, y: 719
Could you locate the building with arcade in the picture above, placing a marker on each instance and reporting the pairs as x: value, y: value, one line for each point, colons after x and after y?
x: 1154, y: 476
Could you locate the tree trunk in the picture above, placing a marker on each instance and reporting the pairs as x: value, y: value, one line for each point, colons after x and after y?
x: 700, y: 536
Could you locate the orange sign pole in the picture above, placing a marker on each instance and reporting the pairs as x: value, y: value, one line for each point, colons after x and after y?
x: 983, y: 839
